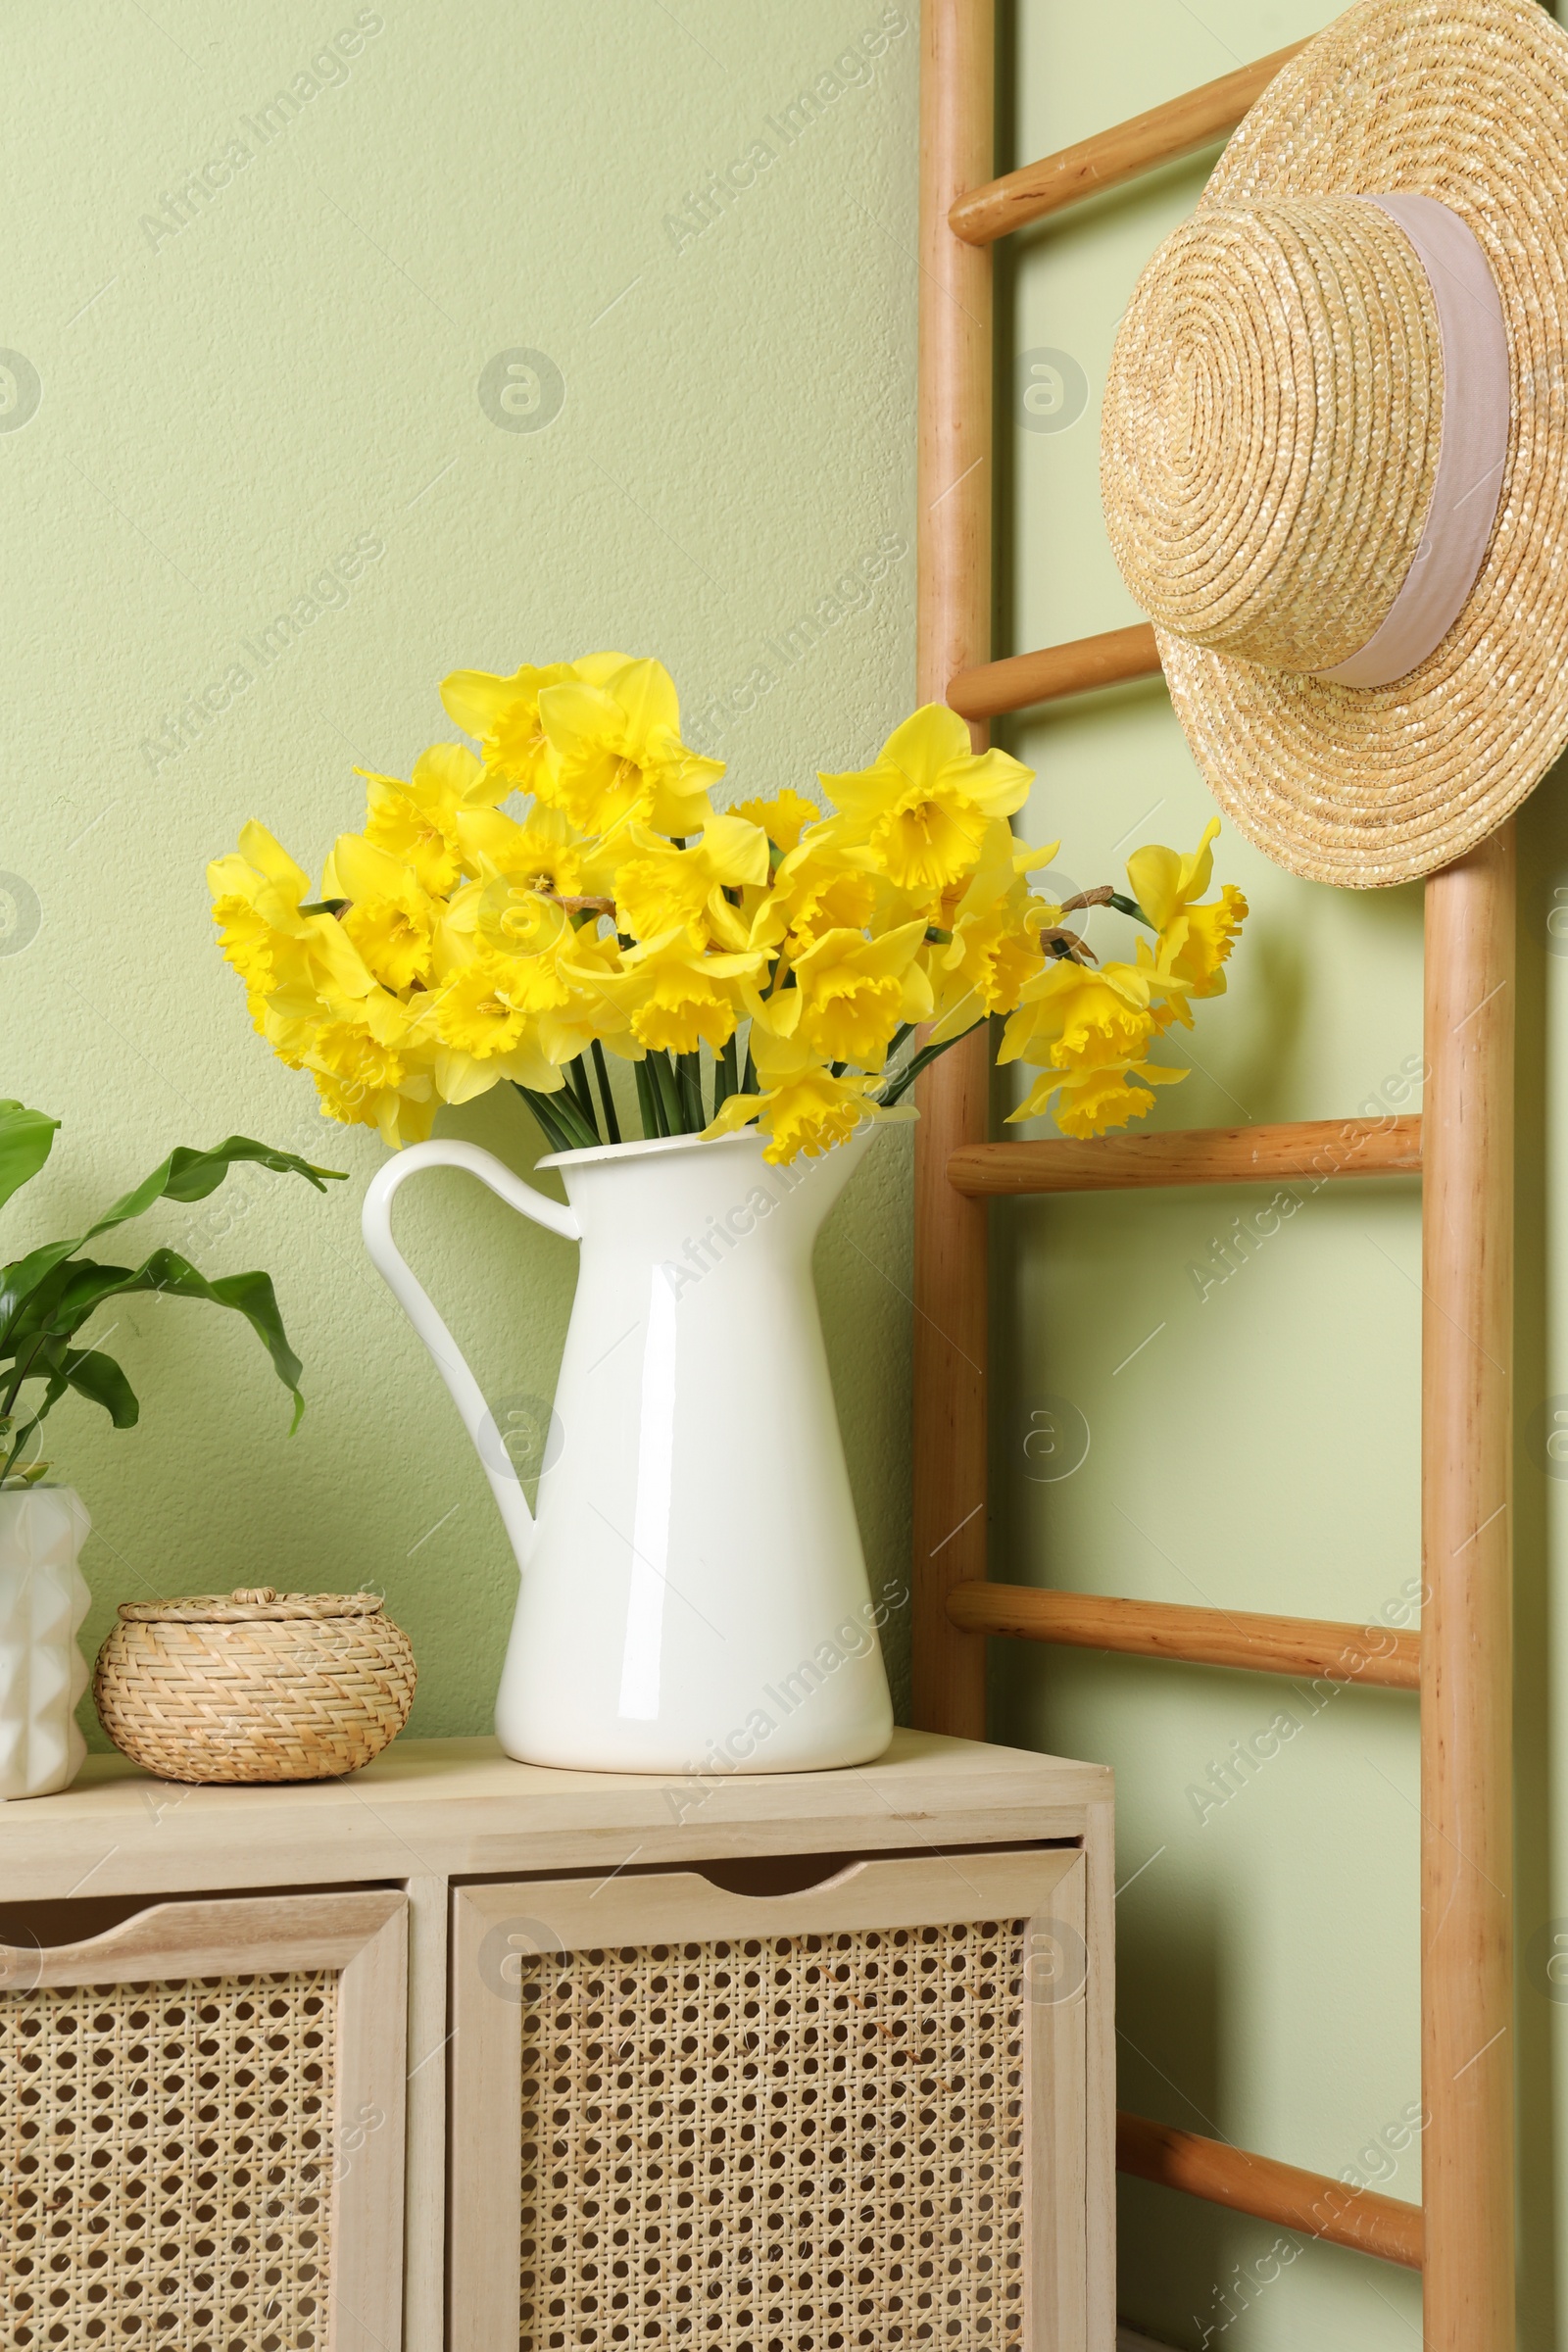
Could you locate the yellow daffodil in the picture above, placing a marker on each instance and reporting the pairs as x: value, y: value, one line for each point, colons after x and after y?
x: 784, y: 818
x: 680, y: 997
x: 364, y: 1081
x: 545, y: 853
x: 257, y: 898
x: 455, y: 946
x: 592, y: 1011
x: 503, y: 716
x: 487, y: 1031
x: 475, y: 1013
x: 1164, y: 882
x: 1078, y: 1018
x: 257, y: 892
x: 851, y: 994
x: 802, y: 1106
x: 511, y: 918
x: 416, y: 822
x: 922, y: 808
x: 389, y: 918
x: 1090, y: 1102
x: 818, y: 888
x: 993, y: 948
x: 658, y: 888
x: 1200, y: 937
x: 618, y: 754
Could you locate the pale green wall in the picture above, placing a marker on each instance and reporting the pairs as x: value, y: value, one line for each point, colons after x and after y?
x: 1262, y: 1451
x: 227, y: 410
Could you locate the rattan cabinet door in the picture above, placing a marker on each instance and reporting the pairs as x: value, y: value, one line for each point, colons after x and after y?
x: 853, y: 2116
x: 201, y: 2130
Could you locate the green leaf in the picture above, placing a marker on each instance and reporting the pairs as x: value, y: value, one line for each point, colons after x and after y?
x: 85, y: 1287
x: 185, y: 1175
x: 49, y: 1365
x: 189, y: 1175
x: 24, y: 1140
x: 97, y: 1376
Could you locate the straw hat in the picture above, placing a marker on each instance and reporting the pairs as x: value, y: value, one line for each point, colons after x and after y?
x: 1334, y: 455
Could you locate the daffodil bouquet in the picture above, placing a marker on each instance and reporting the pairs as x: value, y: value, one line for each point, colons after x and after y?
x: 782, y: 961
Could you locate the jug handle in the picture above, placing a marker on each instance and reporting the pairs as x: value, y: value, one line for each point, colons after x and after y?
x: 467, y: 1394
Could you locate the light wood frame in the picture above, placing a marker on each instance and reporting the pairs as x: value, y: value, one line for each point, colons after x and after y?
x: 431, y: 1813
x: 1048, y: 1885
x: 362, y: 1936
x: 1463, y: 2235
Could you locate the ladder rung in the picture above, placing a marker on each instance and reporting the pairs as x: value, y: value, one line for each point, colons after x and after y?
x: 1155, y: 1629
x: 1055, y: 670
x: 1317, y: 1149
x: 1166, y: 133
x: 1271, y: 2191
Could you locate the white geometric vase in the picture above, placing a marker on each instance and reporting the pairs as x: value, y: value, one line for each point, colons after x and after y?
x: 43, y: 1600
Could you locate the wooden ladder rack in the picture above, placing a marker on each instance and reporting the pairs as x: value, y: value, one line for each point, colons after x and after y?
x: 1461, y: 2236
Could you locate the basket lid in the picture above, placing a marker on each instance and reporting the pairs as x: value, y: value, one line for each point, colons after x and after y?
x: 246, y: 1604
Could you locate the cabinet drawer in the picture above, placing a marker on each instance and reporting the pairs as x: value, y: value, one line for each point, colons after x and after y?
x: 201, y: 2129
x: 852, y: 2115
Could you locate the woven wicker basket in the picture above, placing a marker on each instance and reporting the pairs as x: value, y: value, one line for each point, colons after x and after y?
x: 255, y: 1684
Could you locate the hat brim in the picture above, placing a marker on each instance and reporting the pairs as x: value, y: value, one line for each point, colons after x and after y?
x: 1464, y: 100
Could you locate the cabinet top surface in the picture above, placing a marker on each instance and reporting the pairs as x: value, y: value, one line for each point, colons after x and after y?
x: 438, y: 1807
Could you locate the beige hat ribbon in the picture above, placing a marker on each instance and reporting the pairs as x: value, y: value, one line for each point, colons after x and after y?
x: 1468, y: 481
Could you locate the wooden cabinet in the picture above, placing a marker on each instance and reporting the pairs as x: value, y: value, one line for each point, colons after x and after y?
x: 201, y: 2127
x: 850, y: 2114
x: 748, y: 2064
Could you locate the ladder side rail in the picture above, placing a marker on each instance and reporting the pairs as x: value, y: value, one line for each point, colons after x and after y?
x: 954, y: 491
x: 1466, y: 1640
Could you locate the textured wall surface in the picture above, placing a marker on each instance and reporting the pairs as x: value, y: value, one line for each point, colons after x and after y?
x: 269, y: 273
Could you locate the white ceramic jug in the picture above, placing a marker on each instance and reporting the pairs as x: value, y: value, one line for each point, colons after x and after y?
x: 694, y: 1594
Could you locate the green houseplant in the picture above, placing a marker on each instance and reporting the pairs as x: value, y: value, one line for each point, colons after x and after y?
x: 47, y: 1298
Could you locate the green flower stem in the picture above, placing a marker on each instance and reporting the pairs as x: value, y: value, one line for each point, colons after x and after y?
x: 669, y: 1102
x: 545, y: 1119
x: 688, y: 1073
x: 726, y: 1076
x: 559, y: 1121
x: 576, y: 1074
x: 607, y: 1099
x: 899, y: 1086
x: 648, y: 1102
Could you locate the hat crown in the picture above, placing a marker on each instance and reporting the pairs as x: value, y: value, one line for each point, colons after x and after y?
x: 1271, y: 428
